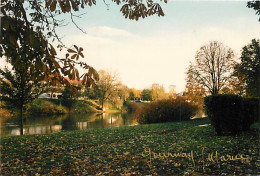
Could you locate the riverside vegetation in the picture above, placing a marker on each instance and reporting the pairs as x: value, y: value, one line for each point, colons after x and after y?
x: 167, y: 110
x: 53, y: 107
x: 124, y: 150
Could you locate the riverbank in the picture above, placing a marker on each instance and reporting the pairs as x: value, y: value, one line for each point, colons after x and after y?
x: 52, y: 107
x: 180, y: 148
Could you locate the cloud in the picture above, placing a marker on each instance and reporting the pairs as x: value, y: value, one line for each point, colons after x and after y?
x: 106, y: 31
x: 233, y: 38
x: 160, y: 58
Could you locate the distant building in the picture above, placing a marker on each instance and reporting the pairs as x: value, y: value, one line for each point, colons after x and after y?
x: 138, y: 100
x: 172, y: 88
x: 172, y: 91
x: 181, y: 94
x: 50, y: 95
x: 155, y: 86
x: 54, y: 92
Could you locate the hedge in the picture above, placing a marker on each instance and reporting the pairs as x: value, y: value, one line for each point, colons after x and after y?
x: 231, y: 114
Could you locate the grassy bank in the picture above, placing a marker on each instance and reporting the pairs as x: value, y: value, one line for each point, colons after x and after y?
x: 157, y: 149
x: 52, y: 107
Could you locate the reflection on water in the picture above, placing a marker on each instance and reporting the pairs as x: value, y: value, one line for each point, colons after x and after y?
x: 68, y: 122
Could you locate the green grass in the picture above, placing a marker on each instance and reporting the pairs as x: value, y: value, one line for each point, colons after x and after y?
x: 255, y: 125
x: 125, y: 150
x: 54, y: 106
x: 84, y: 106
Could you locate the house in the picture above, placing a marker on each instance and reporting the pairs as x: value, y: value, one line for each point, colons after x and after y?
x: 51, y: 95
x: 138, y: 100
x: 55, y: 92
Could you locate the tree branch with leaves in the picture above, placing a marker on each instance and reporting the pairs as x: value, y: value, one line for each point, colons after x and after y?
x: 249, y: 68
x: 255, y: 5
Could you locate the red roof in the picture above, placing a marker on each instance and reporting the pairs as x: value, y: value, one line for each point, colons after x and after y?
x: 73, y: 81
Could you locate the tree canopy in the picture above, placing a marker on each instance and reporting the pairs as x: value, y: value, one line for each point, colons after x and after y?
x: 249, y: 68
x: 25, y: 36
x: 158, y: 92
x: 255, y: 5
x: 17, y: 89
x: 213, y: 67
x: 194, y: 90
x: 146, y: 94
x: 107, y: 86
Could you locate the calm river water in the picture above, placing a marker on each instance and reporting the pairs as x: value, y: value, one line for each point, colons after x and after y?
x: 68, y: 122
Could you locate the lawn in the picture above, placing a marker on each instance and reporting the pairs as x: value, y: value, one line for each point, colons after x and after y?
x: 181, y: 148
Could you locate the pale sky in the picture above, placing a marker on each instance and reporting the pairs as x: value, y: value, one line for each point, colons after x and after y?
x: 159, y: 49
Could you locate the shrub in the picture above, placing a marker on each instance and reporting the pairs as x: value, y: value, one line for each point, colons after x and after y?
x: 41, y: 106
x: 225, y: 113
x: 132, y: 107
x: 251, y: 112
x: 166, y: 111
x: 231, y: 114
x: 55, y: 101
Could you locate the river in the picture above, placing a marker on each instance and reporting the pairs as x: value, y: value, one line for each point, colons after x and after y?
x: 68, y: 122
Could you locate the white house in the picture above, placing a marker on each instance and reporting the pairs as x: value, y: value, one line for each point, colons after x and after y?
x: 50, y: 95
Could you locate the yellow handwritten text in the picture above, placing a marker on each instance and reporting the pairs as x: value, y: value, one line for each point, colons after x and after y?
x: 149, y: 153
x: 210, y: 158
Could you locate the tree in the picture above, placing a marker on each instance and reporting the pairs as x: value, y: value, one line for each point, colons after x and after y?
x: 123, y: 92
x: 90, y: 92
x: 249, y: 68
x: 133, y: 93
x: 158, y: 92
x: 146, y: 94
x: 255, y: 5
x: 17, y: 90
x: 25, y: 43
x: 194, y: 91
x: 120, y: 94
x: 107, y: 86
x: 25, y: 36
x: 236, y: 85
x: 68, y: 97
x: 213, y: 67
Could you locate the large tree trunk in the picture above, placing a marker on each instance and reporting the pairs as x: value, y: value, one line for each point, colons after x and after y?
x: 21, y: 120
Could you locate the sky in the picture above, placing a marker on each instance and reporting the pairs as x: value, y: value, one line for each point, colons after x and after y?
x: 159, y: 49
